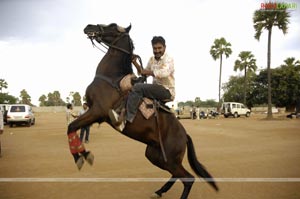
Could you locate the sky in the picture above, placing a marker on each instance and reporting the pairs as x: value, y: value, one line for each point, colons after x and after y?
x: 43, y: 47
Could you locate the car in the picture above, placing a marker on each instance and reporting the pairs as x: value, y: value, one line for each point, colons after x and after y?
x: 20, y: 114
x: 234, y: 109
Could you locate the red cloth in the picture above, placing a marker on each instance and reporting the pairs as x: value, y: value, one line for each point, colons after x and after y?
x: 75, y: 143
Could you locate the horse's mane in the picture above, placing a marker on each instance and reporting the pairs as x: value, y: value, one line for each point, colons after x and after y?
x: 127, y: 64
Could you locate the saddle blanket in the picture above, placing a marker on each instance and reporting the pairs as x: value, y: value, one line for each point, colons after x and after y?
x: 147, y: 108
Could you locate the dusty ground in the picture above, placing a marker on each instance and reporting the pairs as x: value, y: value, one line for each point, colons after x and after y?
x: 235, y: 151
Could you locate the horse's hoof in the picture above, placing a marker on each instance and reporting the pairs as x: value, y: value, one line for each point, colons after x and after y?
x: 80, y: 162
x: 155, y: 195
x: 90, y: 158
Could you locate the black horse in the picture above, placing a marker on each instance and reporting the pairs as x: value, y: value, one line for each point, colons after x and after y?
x: 103, y: 93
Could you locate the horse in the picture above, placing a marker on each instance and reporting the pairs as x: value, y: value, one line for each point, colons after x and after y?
x: 102, y: 95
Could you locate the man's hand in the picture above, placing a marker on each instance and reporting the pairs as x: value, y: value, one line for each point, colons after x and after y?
x: 147, y: 72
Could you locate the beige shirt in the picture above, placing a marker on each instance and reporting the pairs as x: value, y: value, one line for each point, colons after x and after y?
x: 163, y: 70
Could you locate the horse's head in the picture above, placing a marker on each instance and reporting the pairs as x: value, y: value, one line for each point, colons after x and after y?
x: 108, y: 34
x: 116, y: 38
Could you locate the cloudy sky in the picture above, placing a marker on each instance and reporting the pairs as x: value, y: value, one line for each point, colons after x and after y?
x: 43, y: 47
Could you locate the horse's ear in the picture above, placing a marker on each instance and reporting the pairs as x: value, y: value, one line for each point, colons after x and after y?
x: 128, y: 28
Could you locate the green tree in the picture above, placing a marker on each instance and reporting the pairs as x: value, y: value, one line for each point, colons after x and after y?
x: 25, y: 97
x: 220, y: 47
x: 286, y: 84
x: 3, y: 84
x: 77, y: 99
x: 246, y: 63
x: 54, y: 99
x: 7, y: 99
x: 43, y: 100
x: 267, y: 19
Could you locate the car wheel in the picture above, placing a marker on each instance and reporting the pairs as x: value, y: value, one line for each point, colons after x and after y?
x: 29, y: 123
x: 226, y: 116
x: 235, y: 115
x: 11, y: 125
x: 247, y: 114
x: 33, y: 122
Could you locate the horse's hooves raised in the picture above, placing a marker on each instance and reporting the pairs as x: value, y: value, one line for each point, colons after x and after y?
x: 80, y: 162
x: 155, y: 195
x: 90, y: 158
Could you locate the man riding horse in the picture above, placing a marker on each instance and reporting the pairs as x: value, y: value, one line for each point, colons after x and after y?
x: 161, y: 68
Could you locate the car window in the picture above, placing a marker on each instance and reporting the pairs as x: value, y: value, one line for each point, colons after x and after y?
x: 233, y: 105
x: 238, y: 106
x: 243, y: 106
x: 17, y: 109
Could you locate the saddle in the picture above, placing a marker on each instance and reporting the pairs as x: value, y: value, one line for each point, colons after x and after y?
x: 147, y: 106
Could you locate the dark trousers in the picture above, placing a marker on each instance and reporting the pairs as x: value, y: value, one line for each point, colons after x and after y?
x: 85, y: 129
x: 139, y: 90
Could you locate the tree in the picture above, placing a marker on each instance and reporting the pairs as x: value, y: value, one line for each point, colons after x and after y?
x: 286, y: 84
x: 25, y: 97
x: 7, y: 99
x: 3, y: 84
x: 54, y: 99
x: 77, y: 99
x: 43, y: 100
x: 220, y: 47
x: 267, y: 19
x: 246, y: 63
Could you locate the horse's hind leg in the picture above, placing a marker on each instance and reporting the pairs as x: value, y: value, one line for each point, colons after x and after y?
x: 164, y: 188
x: 174, y: 167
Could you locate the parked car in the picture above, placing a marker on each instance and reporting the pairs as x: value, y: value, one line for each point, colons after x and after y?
x: 234, y: 109
x: 20, y: 114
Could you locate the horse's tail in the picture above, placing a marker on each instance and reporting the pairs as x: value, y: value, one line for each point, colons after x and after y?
x: 198, y: 168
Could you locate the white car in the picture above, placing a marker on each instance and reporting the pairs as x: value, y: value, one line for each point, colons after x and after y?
x: 20, y: 114
x: 234, y: 109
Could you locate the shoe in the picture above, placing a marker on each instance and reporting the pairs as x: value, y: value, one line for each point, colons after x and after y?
x: 86, y: 141
x: 117, y: 121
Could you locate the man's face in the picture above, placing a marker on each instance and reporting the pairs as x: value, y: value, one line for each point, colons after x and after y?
x: 158, y: 50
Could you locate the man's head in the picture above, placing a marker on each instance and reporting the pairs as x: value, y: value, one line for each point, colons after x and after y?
x: 85, y: 106
x: 69, y: 106
x: 158, y: 46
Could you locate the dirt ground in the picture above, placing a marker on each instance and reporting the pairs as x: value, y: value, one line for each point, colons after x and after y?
x: 251, y: 158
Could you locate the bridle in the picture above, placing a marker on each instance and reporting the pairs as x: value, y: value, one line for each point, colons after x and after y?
x: 99, y: 39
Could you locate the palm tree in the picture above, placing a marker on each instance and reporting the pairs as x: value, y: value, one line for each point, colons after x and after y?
x: 267, y: 19
x: 220, y: 47
x: 246, y: 63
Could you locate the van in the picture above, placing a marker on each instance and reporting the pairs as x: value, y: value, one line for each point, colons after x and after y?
x: 20, y: 114
x: 234, y: 109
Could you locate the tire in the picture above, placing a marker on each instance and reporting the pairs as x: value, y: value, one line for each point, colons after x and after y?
x: 11, y: 125
x: 247, y: 114
x: 29, y: 123
x: 235, y: 115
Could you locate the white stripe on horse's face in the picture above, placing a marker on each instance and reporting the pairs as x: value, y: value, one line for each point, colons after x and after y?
x: 120, y: 29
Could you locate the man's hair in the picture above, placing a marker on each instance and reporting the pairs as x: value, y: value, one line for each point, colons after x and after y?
x: 158, y: 39
x: 69, y: 106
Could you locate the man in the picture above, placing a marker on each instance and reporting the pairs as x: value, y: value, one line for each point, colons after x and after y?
x: 70, y: 115
x: 85, y: 129
x: 161, y: 68
x: 1, y: 127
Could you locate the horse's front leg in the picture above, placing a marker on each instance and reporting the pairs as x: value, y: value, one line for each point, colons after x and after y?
x: 76, y: 146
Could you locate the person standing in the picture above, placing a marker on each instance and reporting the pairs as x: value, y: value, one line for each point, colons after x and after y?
x: 70, y: 115
x: 85, y: 129
x: 1, y: 128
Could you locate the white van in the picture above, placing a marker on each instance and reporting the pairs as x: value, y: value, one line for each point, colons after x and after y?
x: 20, y: 114
x: 234, y: 109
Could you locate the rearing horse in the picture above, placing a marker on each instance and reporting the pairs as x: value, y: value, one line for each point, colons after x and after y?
x: 103, y: 93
